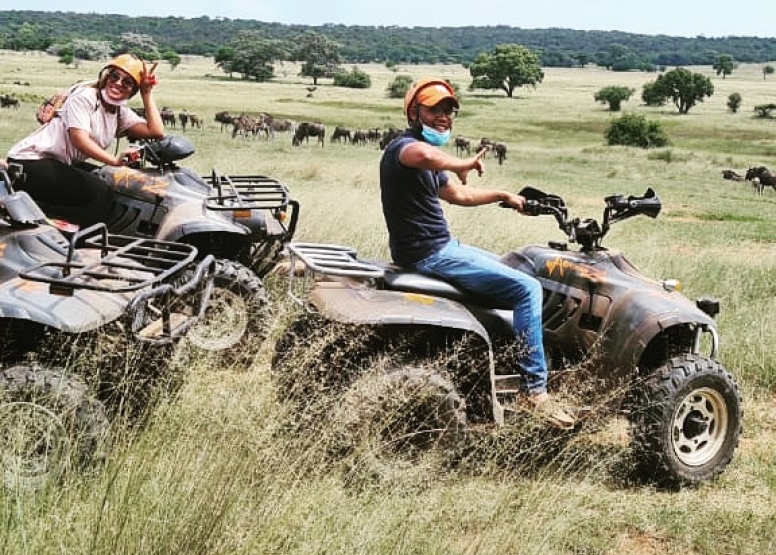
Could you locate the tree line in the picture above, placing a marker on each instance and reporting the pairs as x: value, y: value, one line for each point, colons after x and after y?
x: 615, y: 50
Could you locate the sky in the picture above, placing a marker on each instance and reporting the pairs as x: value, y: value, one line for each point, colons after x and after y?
x: 681, y: 18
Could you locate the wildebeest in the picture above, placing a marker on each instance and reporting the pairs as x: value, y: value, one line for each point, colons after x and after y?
x: 486, y: 144
x: 500, y: 151
x: 373, y: 135
x: 224, y: 118
x: 8, y: 101
x: 183, y: 117
x: 462, y: 144
x: 341, y: 133
x: 761, y: 177
x: 195, y: 120
x: 359, y: 137
x: 305, y: 130
x: 245, y: 126
x: 168, y: 116
x: 283, y: 125
x: 388, y: 135
x: 732, y: 175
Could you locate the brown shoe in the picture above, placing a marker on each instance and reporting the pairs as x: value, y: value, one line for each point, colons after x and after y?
x: 543, y: 406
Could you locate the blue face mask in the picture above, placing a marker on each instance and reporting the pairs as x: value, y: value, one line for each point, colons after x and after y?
x: 434, y: 137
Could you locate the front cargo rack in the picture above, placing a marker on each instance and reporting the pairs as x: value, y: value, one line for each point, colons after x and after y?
x: 246, y: 192
x: 99, y: 261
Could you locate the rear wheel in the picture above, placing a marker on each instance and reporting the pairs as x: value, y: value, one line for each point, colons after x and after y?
x: 404, y: 408
x: 687, y: 421
x: 48, y: 424
x: 315, y: 358
x: 237, y: 315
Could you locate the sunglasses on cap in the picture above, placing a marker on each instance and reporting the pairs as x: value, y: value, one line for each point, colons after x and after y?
x: 123, y: 81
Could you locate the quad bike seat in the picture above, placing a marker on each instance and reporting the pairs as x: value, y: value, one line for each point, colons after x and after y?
x: 340, y: 261
x: 404, y: 279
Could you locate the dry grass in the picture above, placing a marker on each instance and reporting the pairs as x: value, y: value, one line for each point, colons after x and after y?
x: 222, y: 467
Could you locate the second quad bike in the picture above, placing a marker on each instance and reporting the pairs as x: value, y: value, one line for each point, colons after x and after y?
x: 57, y: 294
x: 649, y: 344
x: 243, y: 221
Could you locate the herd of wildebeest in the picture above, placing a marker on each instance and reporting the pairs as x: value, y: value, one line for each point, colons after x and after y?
x: 266, y: 126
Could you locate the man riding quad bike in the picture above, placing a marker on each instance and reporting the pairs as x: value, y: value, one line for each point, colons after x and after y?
x: 58, y: 295
x: 243, y: 221
x: 650, y: 345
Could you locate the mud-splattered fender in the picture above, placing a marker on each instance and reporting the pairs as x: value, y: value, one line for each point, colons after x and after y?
x: 376, y: 307
x: 192, y: 218
x: 639, y: 316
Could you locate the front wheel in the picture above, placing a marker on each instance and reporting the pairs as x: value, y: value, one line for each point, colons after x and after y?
x: 48, y: 424
x: 686, y: 421
x: 236, y: 315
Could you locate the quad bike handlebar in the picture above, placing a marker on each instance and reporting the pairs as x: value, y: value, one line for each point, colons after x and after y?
x: 162, y: 153
x: 587, y: 232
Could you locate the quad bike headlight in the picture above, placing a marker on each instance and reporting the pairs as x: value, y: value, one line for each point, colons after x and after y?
x: 672, y: 285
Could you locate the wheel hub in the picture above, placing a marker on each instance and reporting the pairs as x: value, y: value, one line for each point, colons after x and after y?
x: 699, y: 427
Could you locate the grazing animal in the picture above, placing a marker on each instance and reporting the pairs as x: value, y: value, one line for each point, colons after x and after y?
x: 761, y: 177
x: 731, y: 175
x: 486, y: 144
x: 374, y: 134
x: 305, y: 130
x: 462, y: 144
x: 244, y: 125
x: 183, y: 117
x: 282, y: 125
x: 341, y: 133
x: 359, y: 137
x: 195, y: 121
x: 500, y: 151
x: 224, y: 118
x: 8, y: 101
x: 168, y: 116
x: 388, y: 135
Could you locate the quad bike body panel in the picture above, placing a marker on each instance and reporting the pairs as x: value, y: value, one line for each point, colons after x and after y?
x: 599, y: 296
x: 248, y: 218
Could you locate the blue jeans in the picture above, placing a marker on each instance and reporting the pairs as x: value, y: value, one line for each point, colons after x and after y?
x: 480, y: 272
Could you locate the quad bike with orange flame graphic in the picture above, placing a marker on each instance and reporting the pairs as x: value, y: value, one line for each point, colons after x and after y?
x: 243, y: 221
x: 635, y: 337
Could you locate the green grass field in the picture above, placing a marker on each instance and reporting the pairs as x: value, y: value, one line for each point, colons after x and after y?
x: 216, y: 471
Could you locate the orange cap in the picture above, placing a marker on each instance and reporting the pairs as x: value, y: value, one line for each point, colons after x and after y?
x: 434, y: 93
x: 428, y: 92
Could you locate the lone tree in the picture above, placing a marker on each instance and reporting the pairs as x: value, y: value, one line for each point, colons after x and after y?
x: 614, y: 96
x: 505, y: 68
x: 723, y: 65
x: 684, y: 88
x: 320, y: 56
x: 767, y: 70
x: 250, y: 55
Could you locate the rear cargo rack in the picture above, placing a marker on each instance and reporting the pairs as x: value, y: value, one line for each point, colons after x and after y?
x: 246, y: 192
x: 333, y: 260
x: 125, y: 263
